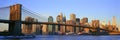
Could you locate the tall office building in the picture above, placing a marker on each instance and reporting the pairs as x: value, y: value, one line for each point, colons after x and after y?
x: 64, y: 22
x: 103, y: 25
x: 114, y: 21
x: 61, y: 17
x: 39, y: 29
x: 73, y: 18
x: 95, y: 23
x: 61, y: 21
x: 34, y: 26
x: 44, y: 29
x: 27, y: 28
x: 58, y: 18
x: 58, y: 21
x: 114, y: 24
x: 77, y: 23
x: 64, y: 19
x: 50, y: 27
x: 109, y: 22
x: 84, y: 20
x: 69, y: 28
x: 109, y: 26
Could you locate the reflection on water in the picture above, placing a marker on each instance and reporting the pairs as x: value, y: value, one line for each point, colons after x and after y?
x: 70, y: 37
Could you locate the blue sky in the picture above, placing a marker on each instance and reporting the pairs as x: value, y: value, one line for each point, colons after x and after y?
x: 93, y: 9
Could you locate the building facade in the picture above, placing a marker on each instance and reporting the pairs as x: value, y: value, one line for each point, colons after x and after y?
x: 28, y: 28
x: 50, y: 27
x: 73, y: 18
x: 114, y: 23
x: 57, y: 21
x: 69, y: 28
x: 95, y: 24
x: 77, y: 23
x: 84, y: 20
x: 64, y: 22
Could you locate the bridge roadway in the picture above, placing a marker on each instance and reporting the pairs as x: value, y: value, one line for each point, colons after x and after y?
x: 47, y: 23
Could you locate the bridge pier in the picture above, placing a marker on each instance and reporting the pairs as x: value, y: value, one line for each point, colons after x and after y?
x: 15, y: 17
x: 15, y: 28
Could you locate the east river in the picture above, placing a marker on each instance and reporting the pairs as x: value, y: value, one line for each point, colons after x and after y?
x: 68, y: 37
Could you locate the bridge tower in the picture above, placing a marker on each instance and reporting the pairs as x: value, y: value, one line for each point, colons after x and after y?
x: 15, y: 16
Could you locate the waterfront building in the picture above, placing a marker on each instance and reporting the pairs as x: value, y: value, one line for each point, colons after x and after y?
x: 64, y: 22
x: 69, y: 28
x: 50, y: 27
x: 84, y: 20
x: 77, y: 23
x: 27, y: 28
x: 95, y: 24
x: 57, y: 28
x: 73, y: 18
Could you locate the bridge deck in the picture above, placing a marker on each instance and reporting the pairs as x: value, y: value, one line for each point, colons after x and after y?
x: 51, y: 23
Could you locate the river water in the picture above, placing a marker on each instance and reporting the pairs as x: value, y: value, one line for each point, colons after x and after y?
x: 70, y: 37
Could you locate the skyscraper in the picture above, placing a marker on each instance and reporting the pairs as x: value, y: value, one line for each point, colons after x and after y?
x: 109, y: 22
x: 64, y: 19
x: 50, y: 27
x: 57, y: 28
x: 39, y: 29
x: 44, y: 29
x: 114, y: 24
x: 61, y: 21
x: 73, y: 18
x: 95, y: 23
x: 61, y: 17
x: 103, y: 25
x: 84, y: 20
x: 69, y: 28
x: 64, y: 22
x: 109, y: 26
x: 34, y: 26
x: 114, y: 21
x: 77, y: 23
x: 27, y: 28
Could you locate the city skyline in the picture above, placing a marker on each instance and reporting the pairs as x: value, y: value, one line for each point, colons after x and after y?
x: 83, y: 21
x: 73, y: 16
x: 103, y: 10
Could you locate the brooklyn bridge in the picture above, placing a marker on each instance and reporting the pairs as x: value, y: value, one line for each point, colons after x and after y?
x: 17, y: 18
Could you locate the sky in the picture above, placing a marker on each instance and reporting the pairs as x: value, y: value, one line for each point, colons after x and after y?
x: 103, y: 10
